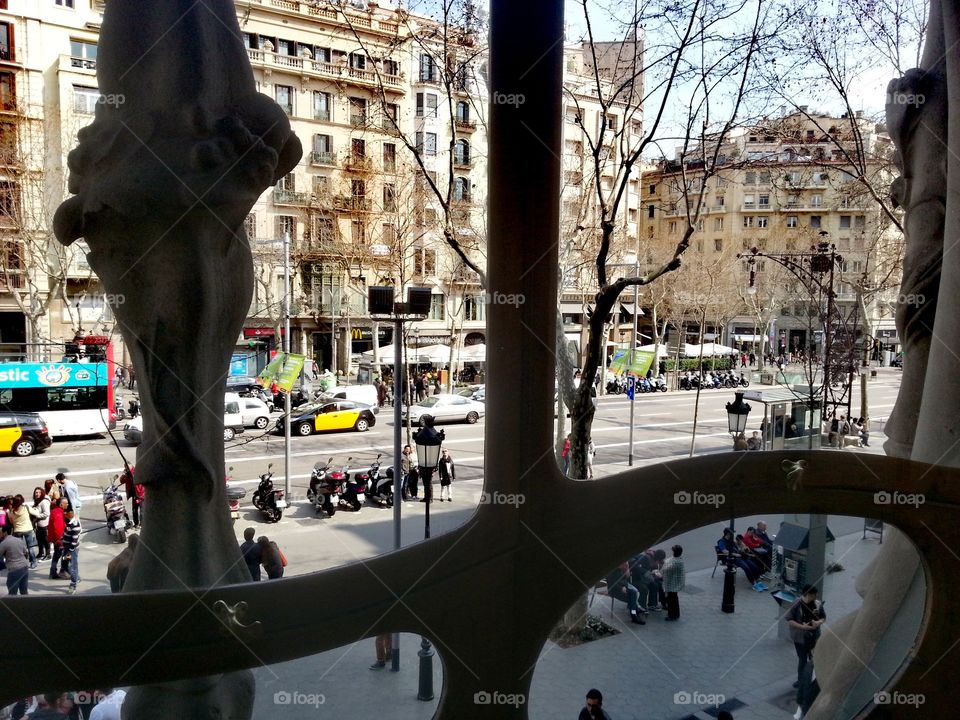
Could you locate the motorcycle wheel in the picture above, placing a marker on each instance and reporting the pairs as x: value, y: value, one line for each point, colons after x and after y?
x: 329, y: 508
x: 745, y: 383
x: 274, y: 515
x: 256, y: 501
x: 122, y: 536
x: 356, y: 505
x: 663, y: 388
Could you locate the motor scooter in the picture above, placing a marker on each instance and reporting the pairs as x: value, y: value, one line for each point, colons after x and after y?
x: 118, y: 521
x: 353, y: 492
x: 379, y: 489
x: 268, y: 499
x: 324, y: 490
x: 235, y: 494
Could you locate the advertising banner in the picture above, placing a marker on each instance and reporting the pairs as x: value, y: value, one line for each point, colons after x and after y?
x: 631, y: 362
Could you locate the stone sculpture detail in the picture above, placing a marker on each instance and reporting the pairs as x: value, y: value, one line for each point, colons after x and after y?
x: 181, y: 147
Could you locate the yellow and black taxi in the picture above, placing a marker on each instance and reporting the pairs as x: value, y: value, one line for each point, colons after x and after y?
x: 330, y: 415
x: 23, y: 433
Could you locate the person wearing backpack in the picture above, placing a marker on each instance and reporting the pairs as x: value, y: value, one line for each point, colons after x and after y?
x: 834, y: 432
x: 843, y: 429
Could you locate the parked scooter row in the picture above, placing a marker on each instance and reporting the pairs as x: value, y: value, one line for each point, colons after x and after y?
x: 712, y: 380
x: 618, y: 385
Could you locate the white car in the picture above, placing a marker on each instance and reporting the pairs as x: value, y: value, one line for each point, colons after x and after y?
x: 255, y: 413
x: 445, y: 407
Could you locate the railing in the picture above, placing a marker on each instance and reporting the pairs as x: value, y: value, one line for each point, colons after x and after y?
x: 288, y: 108
x: 358, y: 163
x: 358, y: 120
x: 323, y: 158
x: 470, y: 125
x: 321, y: 68
x: 319, y: 11
x: 351, y: 203
x: 319, y: 114
x: 462, y: 162
x: 12, y: 280
x: 288, y: 197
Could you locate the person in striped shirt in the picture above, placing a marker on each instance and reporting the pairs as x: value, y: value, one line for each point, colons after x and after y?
x: 71, y: 546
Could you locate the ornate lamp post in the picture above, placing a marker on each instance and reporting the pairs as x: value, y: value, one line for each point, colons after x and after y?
x: 737, y: 413
x: 428, y: 443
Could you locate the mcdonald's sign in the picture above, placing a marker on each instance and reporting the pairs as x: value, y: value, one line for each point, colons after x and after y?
x: 357, y: 333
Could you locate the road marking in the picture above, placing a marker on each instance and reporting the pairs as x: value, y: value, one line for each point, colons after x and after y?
x: 67, y: 455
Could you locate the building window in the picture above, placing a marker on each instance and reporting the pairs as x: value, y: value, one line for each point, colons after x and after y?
x: 426, y: 143
x: 461, y: 190
x: 322, y: 106
x: 473, y: 308
x: 860, y: 222
x: 765, y: 177
x: 764, y: 201
x: 748, y: 221
x: 358, y: 148
x: 322, y: 54
x: 8, y: 94
x: 6, y: 42
x: 424, y: 261
x: 816, y: 200
x: 652, y: 189
x: 815, y: 221
x: 388, y: 235
x: 748, y: 201
x: 612, y: 122
x: 844, y: 222
x: 358, y: 61
x: 463, y: 111
x: 358, y: 189
x: 632, y: 215
x: 391, y: 67
x: 673, y: 227
x: 791, y: 221
x: 283, y: 94
x: 763, y: 222
x: 358, y: 111
x: 85, y: 99
x: 358, y: 232
x: 437, y: 307
x: 323, y: 148
x: 461, y: 153
x: 428, y: 68
x: 651, y: 210
x: 285, y: 224
x: 750, y: 178
x: 426, y: 105
x: 718, y: 223
x: 250, y: 225
x: 718, y: 245
x: 389, y: 198
x: 83, y: 54
x: 63, y: 3
x: 389, y: 157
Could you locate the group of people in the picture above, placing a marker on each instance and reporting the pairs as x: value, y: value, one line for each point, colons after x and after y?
x: 262, y: 553
x: 103, y: 704
x: 649, y: 582
x: 410, y: 472
x: 841, y: 428
x: 593, y: 709
x: 752, y: 552
x: 45, y: 528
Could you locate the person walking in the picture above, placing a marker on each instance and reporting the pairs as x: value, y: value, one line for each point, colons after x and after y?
x: 448, y: 473
x: 71, y: 492
x: 384, y: 646
x: 252, y: 553
x: 408, y: 466
x: 805, y: 618
x: 135, y: 491
x: 55, y: 530
x: 593, y: 710
x: 16, y: 558
x: 674, y: 580
x: 18, y: 518
x: 565, y: 454
x: 591, y: 452
x: 272, y: 558
x: 71, y: 546
x: 40, y: 513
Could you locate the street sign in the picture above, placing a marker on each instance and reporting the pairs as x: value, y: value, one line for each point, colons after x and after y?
x: 631, y: 386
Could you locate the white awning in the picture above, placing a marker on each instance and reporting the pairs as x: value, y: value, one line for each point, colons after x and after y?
x: 748, y: 338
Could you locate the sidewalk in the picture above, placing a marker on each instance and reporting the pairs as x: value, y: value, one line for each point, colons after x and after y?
x: 646, y: 672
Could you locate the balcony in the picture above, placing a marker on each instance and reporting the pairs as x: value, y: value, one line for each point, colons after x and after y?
x: 83, y: 66
x: 288, y: 197
x: 309, y: 67
x: 462, y: 162
x: 358, y: 164
x: 467, y: 125
x: 323, y: 158
x: 351, y: 203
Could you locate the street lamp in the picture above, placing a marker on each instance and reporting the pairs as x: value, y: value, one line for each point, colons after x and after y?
x: 380, y: 302
x: 737, y: 413
x: 428, y: 443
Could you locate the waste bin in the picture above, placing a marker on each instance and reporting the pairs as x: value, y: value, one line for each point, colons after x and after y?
x: 766, y: 378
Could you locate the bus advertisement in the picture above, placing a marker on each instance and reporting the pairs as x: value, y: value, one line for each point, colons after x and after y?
x: 74, y: 396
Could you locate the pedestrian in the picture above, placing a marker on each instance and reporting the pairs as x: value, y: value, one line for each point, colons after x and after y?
x: 71, y: 546
x: 834, y: 432
x: 565, y: 455
x: 108, y: 706
x: 53, y: 706
x: 271, y: 558
x: 119, y: 567
x: 591, y: 451
x: 18, y: 519
x: 805, y: 618
x: 381, y: 392
x: 70, y: 491
x: 843, y: 430
x: 252, y: 553
x: 135, y: 491
x: 40, y: 514
x: 55, y: 530
x: 674, y: 580
x: 384, y: 645
x: 408, y: 466
x: 16, y: 558
x: 864, y: 425
x: 420, y: 387
x: 448, y: 473
x: 594, y: 707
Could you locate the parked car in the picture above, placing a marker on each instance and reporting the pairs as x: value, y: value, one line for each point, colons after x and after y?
x: 247, y: 385
x: 23, y: 433
x: 474, y: 392
x: 445, y: 407
x: 232, y: 421
x: 330, y: 415
x: 255, y: 413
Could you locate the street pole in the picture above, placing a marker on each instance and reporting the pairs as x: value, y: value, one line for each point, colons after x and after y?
x: 397, y: 479
x: 286, y: 349
x: 633, y: 349
x: 425, y: 690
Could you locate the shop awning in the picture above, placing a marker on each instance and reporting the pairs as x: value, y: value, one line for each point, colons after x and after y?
x: 747, y: 338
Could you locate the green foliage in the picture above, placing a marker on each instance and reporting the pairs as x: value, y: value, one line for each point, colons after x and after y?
x: 709, y: 363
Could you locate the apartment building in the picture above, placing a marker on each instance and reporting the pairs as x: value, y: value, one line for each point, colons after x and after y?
x: 784, y: 187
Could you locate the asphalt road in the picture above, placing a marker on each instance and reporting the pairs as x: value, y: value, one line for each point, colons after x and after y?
x: 663, y: 427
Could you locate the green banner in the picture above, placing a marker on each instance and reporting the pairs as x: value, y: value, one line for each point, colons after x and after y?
x: 631, y: 362
x: 283, y: 370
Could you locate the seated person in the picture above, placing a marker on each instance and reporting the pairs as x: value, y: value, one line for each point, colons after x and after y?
x: 750, y: 556
x: 754, y: 442
x: 757, y: 547
x: 727, y: 548
x: 864, y: 430
x: 620, y: 587
x: 761, y: 533
x: 646, y: 576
